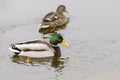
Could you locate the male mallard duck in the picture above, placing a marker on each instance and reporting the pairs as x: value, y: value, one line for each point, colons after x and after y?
x: 54, y: 21
x: 40, y: 48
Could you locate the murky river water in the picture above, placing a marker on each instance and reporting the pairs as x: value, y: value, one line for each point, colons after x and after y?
x: 93, y: 33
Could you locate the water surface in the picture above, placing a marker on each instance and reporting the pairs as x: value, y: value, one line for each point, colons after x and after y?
x: 93, y: 33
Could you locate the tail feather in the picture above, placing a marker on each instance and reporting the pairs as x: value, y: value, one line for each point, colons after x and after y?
x: 15, y: 49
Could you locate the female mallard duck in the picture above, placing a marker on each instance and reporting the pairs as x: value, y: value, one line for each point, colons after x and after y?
x: 40, y: 48
x: 54, y: 21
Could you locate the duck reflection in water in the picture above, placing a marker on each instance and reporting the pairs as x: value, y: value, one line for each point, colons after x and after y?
x: 54, y: 62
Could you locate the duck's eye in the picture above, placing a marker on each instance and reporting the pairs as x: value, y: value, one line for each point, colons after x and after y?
x: 59, y: 40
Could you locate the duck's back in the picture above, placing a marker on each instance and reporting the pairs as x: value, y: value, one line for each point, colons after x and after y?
x: 35, y: 48
x: 53, y: 22
x: 52, y: 16
x: 37, y: 45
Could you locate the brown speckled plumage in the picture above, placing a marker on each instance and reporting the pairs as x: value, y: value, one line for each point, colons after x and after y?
x: 54, y: 21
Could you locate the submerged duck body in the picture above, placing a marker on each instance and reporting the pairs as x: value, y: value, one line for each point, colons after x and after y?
x: 39, y: 48
x: 54, y: 21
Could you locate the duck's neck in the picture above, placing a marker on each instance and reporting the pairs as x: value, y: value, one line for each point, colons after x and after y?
x: 57, y: 52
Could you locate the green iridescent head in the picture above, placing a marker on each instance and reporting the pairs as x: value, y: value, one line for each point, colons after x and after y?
x: 57, y: 38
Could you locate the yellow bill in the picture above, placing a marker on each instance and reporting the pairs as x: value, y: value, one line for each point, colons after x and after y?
x: 65, y: 43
